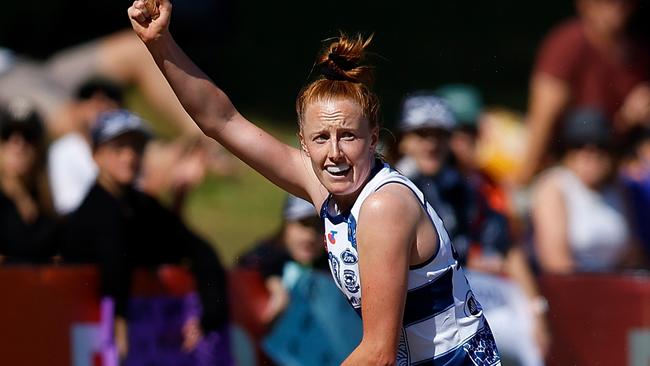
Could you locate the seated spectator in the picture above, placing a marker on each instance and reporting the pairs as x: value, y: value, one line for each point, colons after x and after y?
x: 299, y: 240
x: 120, y: 228
x: 28, y: 229
x: 578, y: 211
x: 71, y: 168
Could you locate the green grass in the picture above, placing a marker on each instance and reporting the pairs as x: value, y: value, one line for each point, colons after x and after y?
x: 232, y: 213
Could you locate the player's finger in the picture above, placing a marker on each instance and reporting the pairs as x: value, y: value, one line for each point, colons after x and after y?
x: 140, y: 5
x: 137, y: 15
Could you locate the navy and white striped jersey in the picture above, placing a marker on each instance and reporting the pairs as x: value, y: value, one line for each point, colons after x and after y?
x: 443, y: 323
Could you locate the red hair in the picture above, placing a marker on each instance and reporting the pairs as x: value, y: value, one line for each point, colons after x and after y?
x: 343, y: 77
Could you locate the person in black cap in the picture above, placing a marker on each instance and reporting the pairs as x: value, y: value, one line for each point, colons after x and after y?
x: 578, y: 211
x: 120, y: 228
x: 28, y: 228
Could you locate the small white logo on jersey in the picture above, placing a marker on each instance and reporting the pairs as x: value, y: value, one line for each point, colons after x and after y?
x: 348, y: 257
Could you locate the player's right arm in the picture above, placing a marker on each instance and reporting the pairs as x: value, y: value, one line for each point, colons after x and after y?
x: 214, y: 113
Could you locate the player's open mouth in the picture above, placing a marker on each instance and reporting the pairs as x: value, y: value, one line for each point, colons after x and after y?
x: 338, y: 170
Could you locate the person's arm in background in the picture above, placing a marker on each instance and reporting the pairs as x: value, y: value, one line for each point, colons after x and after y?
x: 519, y: 270
x: 549, y: 219
x: 548, y: 98
x: 557, y: 62
x: 384, y: 259
x: 635, y: 110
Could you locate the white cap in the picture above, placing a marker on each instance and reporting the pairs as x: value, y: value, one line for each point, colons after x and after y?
x: 426, y: 110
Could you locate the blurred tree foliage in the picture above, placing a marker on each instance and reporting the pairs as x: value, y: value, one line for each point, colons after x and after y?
x: 261, y: 52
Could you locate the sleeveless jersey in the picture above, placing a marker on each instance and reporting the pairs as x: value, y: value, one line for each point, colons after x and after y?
x: 443, y: 324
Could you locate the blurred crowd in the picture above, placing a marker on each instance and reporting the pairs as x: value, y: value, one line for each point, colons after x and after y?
x: 560, y: 188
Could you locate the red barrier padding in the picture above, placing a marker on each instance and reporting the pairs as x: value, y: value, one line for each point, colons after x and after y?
x: 593, y: 318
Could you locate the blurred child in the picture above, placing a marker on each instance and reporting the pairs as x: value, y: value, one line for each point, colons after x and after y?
x: 299, y: 240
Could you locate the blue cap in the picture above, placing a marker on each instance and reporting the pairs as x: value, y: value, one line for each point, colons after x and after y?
x: 112, y: 124
x: 425, y: 110
x: 297, y: 209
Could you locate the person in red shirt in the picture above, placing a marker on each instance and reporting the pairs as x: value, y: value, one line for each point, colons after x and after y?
x: 588, y: 61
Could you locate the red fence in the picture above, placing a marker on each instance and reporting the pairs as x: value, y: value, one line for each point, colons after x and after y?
x: 599, y: 319
x: 595, y: 319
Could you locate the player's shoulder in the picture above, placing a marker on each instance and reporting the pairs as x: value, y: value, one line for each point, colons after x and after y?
x: 394, y: 201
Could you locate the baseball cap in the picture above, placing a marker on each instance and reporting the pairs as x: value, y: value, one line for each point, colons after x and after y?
x: 424, y: 109
x: 464, y: 100
x: 297, y: 209
x: 112, y: 124
x: 586, y: 126
x: 21, y: 116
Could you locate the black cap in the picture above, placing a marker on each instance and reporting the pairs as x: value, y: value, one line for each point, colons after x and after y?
x: 20, y: 116
x: 112, y: 124
x: 586, y: 126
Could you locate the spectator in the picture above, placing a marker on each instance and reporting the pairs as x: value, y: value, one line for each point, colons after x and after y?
x: 300, y: 240
x: 166, y: 165
x: 426, y: 127
x: 120, y: 228
x: 591, y: 61
x: 28, y: 230
x: 71, y: 167
x: 578, y: 212
x: 432, y: 130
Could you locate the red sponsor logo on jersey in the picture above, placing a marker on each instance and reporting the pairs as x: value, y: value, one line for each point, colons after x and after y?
x: 331, y: 237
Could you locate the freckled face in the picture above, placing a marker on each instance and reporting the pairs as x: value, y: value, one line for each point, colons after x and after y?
x: 340, y: 144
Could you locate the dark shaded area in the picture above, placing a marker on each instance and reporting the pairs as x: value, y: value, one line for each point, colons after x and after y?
x: 261, y: 51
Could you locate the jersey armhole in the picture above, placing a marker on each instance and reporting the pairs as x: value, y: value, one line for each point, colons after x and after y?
x: 423, y: 204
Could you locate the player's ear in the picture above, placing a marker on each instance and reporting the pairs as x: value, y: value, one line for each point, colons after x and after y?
x: 374, y: 137
x: 302, y: 143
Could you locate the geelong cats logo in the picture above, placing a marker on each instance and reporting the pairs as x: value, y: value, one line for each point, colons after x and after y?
x: 348, y: 257
x: 350, y: 280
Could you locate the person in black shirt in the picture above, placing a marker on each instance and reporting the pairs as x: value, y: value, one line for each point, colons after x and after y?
x: 120, y: 228
x: 28, y: 228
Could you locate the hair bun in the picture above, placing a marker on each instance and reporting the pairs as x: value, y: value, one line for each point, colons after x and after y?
x: 342, y: 60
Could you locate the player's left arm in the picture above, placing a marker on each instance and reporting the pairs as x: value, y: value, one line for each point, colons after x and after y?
x: 386, y: 234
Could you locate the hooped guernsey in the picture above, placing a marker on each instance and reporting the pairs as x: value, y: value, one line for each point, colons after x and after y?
x: 443, y: 323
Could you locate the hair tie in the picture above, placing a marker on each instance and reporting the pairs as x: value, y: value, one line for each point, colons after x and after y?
x: 341, y: 61
x: 329, y: 73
